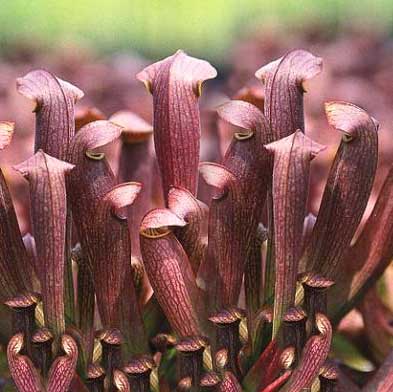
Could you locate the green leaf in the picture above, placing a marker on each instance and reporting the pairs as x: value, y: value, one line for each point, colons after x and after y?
x: 347, y: 353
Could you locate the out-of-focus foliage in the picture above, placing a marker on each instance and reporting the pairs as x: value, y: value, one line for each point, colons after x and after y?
x: 156, y: 27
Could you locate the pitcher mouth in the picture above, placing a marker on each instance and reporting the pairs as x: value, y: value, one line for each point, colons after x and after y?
x: 155, y: 232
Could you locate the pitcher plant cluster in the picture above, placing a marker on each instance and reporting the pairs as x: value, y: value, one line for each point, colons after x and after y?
x: 131, y: 283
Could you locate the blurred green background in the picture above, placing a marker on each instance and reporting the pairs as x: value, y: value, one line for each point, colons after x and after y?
x: 157, y: 27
